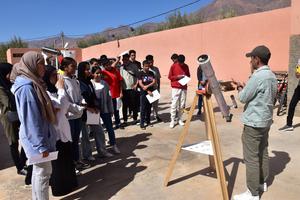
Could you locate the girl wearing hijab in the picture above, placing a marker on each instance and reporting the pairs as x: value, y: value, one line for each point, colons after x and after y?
x: 63, y: 179
x: 37, y: 116
x: 88, y: 93
x: 9, y: 119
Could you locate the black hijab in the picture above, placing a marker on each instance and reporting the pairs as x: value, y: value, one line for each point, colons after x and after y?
x: 50, y: 87
x: 5, y: 68
x: 90, y: 98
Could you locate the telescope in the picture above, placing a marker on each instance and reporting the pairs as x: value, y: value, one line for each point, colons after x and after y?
x: 214, y: 86
x: 51, y: 50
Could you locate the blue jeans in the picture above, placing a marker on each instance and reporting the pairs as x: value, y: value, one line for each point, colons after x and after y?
x: 85, y: 140
x: 145, y: 109
x: 106, y: 117
x: 116, y: 112
x: 75, y: 126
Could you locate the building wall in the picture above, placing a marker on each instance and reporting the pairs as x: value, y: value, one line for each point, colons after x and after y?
x: 226, y: 41
x: 14, y: 54
x: 294, y: 50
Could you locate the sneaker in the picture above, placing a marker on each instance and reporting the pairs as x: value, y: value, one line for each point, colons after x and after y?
x: 81, y: 165
x: 263, y: 187
x: 90, y: 158
x: 158, y: 119
x: 245, y: 196
x: 77, y: 172
x: 172, y: 124
x: 105, y: 153
x: 286, y: 128
x: 116, y: 149
x: 143, y: 127
x: 26, y: 187
x: 149, y: 124
x: 22, y: 172
x: 181, y: 123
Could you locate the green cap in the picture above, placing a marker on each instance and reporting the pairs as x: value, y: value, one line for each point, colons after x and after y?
x: 260, y: 51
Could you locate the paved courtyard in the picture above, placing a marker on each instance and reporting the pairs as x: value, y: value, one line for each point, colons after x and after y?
x: 138, y: 173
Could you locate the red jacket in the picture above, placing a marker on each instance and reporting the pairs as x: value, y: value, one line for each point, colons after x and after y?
x: 175, y: 70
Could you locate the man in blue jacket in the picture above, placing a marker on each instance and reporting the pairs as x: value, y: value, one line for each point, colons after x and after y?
x: 258, y: 96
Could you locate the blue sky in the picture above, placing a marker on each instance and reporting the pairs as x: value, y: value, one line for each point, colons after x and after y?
x: 38, y: 18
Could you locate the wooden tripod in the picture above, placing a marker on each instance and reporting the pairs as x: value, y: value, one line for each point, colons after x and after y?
x: 215, y: 161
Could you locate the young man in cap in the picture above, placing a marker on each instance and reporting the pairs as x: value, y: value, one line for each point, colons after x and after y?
x: 258, y: 95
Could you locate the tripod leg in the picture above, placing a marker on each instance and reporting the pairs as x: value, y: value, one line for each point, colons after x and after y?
x: 180, y: 141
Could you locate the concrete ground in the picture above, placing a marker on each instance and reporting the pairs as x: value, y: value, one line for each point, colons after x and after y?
x: 138, y: 173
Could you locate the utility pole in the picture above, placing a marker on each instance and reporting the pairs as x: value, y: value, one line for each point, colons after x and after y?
x: 62, y: 37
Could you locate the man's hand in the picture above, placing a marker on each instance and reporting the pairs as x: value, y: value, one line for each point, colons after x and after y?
x: 150, y: 93
x: 134, y: 86
x: 145, y: 87
x: 239, y: 85
x: 60, y: 83
x: 45, y: 154
x: 180, y: 76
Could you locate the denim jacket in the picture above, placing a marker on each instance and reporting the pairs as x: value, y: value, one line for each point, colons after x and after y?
x: 258, y: 96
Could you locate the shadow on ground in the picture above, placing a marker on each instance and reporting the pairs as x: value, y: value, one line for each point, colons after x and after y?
x: 112, y: 174
x: 277, y: 165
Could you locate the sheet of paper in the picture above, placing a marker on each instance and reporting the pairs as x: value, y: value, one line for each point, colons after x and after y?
x: 92, y: 118
x: 204, y: 147
x: 153, y: 98
x: 123, y: 53
x: 39, y: 158
x: 184, y: 80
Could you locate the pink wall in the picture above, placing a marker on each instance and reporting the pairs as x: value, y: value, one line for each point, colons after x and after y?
x: 226, y: 41
x: 295, y: 12
x: 14, y: 54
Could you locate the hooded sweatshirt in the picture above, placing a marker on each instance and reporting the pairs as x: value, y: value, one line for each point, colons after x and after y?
x: 36, y: 134
x: 175, y: 70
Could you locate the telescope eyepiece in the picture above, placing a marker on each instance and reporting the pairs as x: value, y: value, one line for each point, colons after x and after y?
x: 202, y: 58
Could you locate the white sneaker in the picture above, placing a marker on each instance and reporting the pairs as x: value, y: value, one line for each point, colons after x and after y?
x: 263, y: 187
x: 172, y: 124
x: 116, y: 149
x: 181, y: 123
x: 91, y: 158
x: 245, y: 196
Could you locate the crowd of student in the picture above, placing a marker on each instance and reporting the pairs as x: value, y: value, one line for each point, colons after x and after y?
x: 47, y: 110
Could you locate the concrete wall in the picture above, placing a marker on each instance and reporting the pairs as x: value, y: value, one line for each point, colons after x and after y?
x: 14, y: 54
x: 294, y: 50
x: 226, y: 41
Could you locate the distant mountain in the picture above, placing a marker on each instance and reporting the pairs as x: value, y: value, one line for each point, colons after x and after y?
x: 218, y: 9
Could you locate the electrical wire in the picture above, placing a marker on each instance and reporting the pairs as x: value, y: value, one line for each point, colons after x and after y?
x: 128, y: 25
